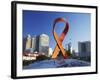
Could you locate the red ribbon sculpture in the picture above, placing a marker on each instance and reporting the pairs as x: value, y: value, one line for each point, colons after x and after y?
x: 59, y: 40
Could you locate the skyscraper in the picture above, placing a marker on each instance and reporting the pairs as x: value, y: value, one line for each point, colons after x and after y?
x: 39, y: 44
x: 44, y: 44
x: 34, y: 43
x: 84, y: 48
x: 28, y: 42
x: 24, y: 43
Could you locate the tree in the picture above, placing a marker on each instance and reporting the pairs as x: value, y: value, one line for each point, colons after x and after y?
x: 68, y: 53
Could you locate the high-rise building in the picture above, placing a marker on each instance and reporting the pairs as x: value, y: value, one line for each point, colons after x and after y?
x: 44, y: 44
x: 28, y: 42
x: 24, y: 43
x: 50, y: 52
x: 84, y: 48
x: 34, y: 43
x: 39, y: 44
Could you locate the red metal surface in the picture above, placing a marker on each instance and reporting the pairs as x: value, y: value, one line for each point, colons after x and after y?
x: 59, y: 40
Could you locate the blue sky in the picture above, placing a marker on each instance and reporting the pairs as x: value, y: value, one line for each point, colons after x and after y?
x: 39, y: 22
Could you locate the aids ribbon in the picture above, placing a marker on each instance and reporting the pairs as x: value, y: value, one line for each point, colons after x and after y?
x: 59, y: 40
